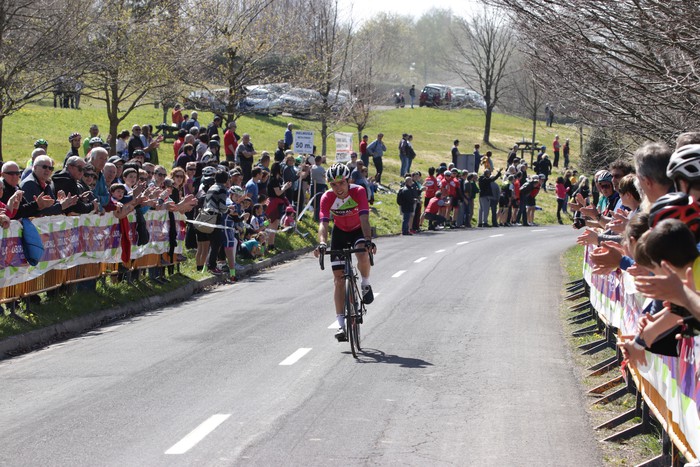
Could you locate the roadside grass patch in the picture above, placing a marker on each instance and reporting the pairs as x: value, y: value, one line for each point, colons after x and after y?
x: 635, y: 450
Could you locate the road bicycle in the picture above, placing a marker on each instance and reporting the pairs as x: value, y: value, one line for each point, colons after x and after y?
x: 354, y: 308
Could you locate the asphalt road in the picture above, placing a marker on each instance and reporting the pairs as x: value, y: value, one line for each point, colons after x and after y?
x: 465, y: 363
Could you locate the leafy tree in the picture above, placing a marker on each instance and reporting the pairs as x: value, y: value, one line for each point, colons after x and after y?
x: 137, y: 52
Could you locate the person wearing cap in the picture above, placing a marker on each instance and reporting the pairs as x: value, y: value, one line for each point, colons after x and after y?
x: 94, y: 133
x: 432, y: 212
x: 211, y: 155
x: 289, y: 219
x: 531, y: 203
x: 74, y: 141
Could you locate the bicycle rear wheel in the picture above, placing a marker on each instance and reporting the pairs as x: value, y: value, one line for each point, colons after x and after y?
x: 352, y: 328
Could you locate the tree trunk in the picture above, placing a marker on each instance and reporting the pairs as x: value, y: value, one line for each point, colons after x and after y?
x: 487, y: 124
x: 534, y: 133
x: 324, y: 135
x: 2, y: 119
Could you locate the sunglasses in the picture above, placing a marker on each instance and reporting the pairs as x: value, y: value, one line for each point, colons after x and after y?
x: 149, y: 173
x: 143, y: 179
x: 46, y: 167
x: 89, y: 175
x: 80, y: 168
x: 13, y: 173
x: 605, y: 186
x: 178, y: 176
x: 161, y: 174
x: 189, y: 170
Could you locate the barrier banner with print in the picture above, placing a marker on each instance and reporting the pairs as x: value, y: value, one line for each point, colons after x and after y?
x: 670, y: 384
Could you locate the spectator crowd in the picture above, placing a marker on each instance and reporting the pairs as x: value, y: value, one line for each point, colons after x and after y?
x: 644, y: 220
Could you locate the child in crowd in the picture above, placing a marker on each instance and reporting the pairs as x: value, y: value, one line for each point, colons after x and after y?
x: 561, y: 192
x: 289, y: 219
x: 253, y: 246
x: 669, y: 250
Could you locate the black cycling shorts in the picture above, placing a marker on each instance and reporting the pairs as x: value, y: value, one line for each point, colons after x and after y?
x: 341, y: 239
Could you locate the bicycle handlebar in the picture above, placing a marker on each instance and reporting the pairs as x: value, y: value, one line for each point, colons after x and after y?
x: 345, y: 252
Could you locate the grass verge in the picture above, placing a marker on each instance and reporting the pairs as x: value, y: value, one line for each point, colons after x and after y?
x: 635, y: 450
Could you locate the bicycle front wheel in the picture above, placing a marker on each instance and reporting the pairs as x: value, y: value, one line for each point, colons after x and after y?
x: 352, y: 327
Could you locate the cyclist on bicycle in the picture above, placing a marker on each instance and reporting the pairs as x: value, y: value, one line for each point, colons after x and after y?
x: 351, y: 229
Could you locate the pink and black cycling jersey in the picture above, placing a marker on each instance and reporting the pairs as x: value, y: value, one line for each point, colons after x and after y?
x: 346, y: 212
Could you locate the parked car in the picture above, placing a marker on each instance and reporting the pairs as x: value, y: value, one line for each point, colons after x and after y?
x: 463, y: 97
x: 435, y: 95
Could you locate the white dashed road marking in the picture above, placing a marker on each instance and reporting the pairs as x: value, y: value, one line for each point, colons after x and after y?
x: 539, y: 230
x: 421, y: 259
x: 497, y: 235
x: 398, y: 274
x: 198, y: 434
x: 439, y: 251
x: 462, y: 243
x: 296, y: 356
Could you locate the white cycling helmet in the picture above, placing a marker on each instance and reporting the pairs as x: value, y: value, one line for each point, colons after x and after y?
x: 337, y: 172
x: 685, y: 162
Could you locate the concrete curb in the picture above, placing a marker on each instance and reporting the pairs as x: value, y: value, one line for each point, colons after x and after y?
x: 28, y: 341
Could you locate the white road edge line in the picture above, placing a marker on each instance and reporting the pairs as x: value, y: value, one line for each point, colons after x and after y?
x: 198, y: 434
x: 463, y: 243
x: 421, y: 259
x: 539, y: 230
x: 296, y: 356
x: 398, y: 274
x: 497, y: 235
x: 439, y: 251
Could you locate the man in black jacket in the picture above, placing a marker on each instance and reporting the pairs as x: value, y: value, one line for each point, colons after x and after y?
x: 11, y: 177
x: 405, y: 198
x: 67, y: 181
x: 38, y: 183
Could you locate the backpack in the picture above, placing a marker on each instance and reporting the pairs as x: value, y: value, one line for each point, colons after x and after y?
x: 32, y: 245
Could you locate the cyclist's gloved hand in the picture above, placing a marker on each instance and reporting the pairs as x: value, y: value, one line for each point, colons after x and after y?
x: 322, y: 247
x: 369, y: 246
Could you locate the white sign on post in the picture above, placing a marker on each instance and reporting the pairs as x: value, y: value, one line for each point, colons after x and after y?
x: 343, y: 147
x: 304, y: 142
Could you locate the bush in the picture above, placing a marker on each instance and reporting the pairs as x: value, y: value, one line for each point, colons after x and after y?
x: 602, y: 149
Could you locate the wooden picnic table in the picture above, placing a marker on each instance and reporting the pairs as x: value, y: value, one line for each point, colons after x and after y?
x: 529, y: 146
x: 169, y: 132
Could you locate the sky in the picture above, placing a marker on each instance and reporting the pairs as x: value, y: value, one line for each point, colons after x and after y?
x: 364, y: 9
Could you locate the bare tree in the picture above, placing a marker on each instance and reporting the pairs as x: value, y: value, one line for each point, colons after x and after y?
x: 483, y: 45
x: 136, y: 53
x: 36, y: 38
x: 613, y: 60
x: 326, y: 61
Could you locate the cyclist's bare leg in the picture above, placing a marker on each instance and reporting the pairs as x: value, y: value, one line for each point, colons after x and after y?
x: 339, y: 295
x: 363, y: 265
